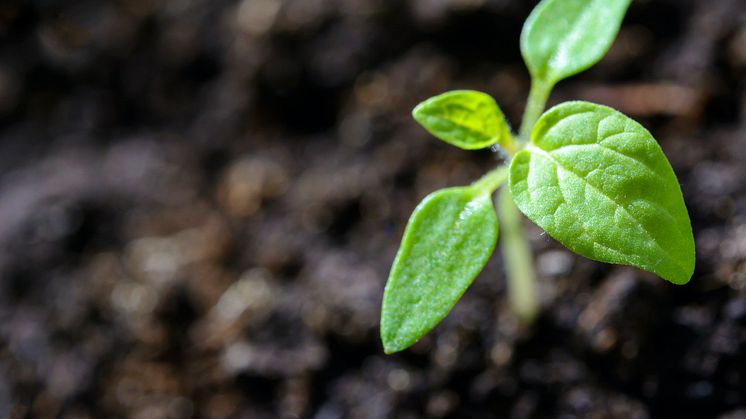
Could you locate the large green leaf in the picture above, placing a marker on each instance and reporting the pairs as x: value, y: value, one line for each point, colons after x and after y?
x: 564, y: 37
x: 598, y: 183
x: 447, y: 242
x: 465, y: 118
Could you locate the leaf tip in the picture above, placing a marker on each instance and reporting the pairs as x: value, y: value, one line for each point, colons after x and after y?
x: 389, y: 350
x: 680, y: 282
x: 681, y: 279
x: 391, y: 345
x: 417, y: 111
x: 686, y: 265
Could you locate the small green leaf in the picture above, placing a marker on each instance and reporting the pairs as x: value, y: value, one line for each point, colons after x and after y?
x: 448, y: 240
x: 465, y: 118
x: 598, y: 183
x: 564, y: 37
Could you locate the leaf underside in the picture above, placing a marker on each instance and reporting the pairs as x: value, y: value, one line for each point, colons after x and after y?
x: 564, y: 37
x: 598, y: 183
x: 467, y: 119
x: 448, y: 240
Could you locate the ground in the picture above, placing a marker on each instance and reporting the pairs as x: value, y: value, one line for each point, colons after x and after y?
x: 200, y: 201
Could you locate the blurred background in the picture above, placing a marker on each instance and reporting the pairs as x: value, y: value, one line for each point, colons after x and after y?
x: 200, y: 201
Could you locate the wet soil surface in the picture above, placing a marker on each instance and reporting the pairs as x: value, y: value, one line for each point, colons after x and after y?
x: 200, y: 201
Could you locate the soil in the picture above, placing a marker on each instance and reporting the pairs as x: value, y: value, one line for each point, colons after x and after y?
x: 200, y: 201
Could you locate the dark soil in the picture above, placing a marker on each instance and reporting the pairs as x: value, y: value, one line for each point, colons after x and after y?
x: 200, y: 201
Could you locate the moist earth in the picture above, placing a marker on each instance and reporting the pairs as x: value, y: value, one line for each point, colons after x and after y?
x: 200, y: 201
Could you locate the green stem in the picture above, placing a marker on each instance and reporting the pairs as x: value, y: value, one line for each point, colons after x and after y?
x: 519, y: 264
x: 537, y: 100
x: 492, y: 179
x: 510, y: 145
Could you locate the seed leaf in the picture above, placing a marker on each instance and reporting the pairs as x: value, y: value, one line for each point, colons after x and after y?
x: 598, y: 183
x: 564, y: 37
x: 465, y: 118
x: 448, y: 240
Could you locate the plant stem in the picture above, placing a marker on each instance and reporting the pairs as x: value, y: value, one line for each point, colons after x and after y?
x: 537, y: 100
x: 492, y: 179
x: 519, y: 263
x: 518, y: 260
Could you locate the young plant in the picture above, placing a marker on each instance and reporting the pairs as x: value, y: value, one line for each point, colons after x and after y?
x: 592, y: 178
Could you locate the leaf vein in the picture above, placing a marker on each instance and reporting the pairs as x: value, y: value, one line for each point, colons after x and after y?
x: 543, y: 153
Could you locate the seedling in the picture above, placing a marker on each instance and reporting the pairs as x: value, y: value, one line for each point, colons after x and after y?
x: 592, y: 178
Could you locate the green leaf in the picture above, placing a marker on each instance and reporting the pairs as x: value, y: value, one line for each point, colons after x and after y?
x: 465, y: 118
x: 564, y: 37
x: 598, y: 183
x: 448, y: 240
